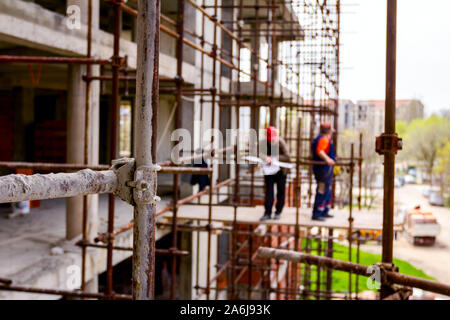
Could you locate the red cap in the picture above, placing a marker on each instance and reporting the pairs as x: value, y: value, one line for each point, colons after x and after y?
x: 326, y: 127
x: 272, y: 133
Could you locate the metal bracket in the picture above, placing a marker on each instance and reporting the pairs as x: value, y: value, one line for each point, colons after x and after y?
x: 388, y: 143
x: 118, y: 61
x: 135, y: 186
x: 395, y: 292
x: 386, y: 267
x: 124, y: 169
x: 144, y: 184
x: 400, y: 293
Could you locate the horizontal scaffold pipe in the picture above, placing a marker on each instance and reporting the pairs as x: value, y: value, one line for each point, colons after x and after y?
x: 55, y: 167
x: 19, y: 187
x: 65, y: 293
x: 63, y: 167
x: 362, y: 270
x: 53, y: 60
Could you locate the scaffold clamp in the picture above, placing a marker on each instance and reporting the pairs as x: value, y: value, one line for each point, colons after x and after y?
x: 135, y: 186
x: 384, y: 267
x: 394, y: 292
x: 388, y: 143
x: 124, y: 169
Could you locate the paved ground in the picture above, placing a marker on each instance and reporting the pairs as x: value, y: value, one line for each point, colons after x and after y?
x: 435, y: 260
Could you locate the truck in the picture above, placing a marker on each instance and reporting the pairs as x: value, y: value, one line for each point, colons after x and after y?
x: 421, y: 227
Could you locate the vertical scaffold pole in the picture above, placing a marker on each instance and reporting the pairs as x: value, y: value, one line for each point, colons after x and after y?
x: 147, y: 96
x: 116, y: 59
x: 389, y: 157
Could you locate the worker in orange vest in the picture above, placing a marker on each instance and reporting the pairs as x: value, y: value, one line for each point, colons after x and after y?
x: 323, y: 150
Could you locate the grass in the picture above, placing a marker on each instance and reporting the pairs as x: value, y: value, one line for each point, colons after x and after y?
x: 368, y: 197
x: 363, y: 206
x: 447, y: 203
x: 340, y: 280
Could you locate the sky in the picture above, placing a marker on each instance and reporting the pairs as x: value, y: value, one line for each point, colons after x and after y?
x: 423, y: 51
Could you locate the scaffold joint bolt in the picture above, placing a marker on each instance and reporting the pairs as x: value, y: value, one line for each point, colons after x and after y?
x: 145, y: 184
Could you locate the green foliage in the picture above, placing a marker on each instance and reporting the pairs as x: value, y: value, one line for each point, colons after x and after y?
x: 340, y: 280
x: 443, y: 167
x: 401, y: 128
x: 423, y: 138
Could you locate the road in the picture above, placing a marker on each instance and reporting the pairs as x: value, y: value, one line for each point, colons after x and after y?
x: 435, y: 260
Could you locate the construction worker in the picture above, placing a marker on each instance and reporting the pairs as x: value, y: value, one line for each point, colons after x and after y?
x: 274, y: 148
x: 323, y: 151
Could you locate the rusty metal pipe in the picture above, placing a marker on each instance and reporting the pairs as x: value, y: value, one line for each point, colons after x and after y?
x: 147, y: 86
x: 53, y: 60
x: 71, y: 167
x: 389, y: 157
x: 324, y: 262
x: 127, y: 9
x: 86, y: 143
x: 130, y: 225
x: 329, y: 254
x: 64, y: 293
x: 360, y: 171
x: 350, y: 220
x: 119, y: 248
x: 5, y: 281
x: 223, y: 268
x: 178, y: 115
x: 115, y: 105
x: 108, y: 78
x: 51, y: 166
x: 194, y: 196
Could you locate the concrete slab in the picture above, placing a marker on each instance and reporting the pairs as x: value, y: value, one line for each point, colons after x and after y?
x: 26, y: 243
x: 367, y: 220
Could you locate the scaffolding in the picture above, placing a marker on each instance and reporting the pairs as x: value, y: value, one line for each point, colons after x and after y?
x: 276, y: 61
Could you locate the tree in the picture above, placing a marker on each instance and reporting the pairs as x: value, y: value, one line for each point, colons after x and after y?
x: 401, y: 127
x: 443, y: 168
x: 424, y: 138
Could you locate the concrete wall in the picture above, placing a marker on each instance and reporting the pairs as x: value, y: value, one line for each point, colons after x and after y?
x: 28, y: 24
x: 347, y: 115
x: 200, y: 240
x: 409, y: 110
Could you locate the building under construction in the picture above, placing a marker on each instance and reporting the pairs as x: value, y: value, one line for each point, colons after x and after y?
x: 95, y: 95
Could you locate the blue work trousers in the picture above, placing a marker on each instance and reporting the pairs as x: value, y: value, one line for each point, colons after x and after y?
x: 322, y: 202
